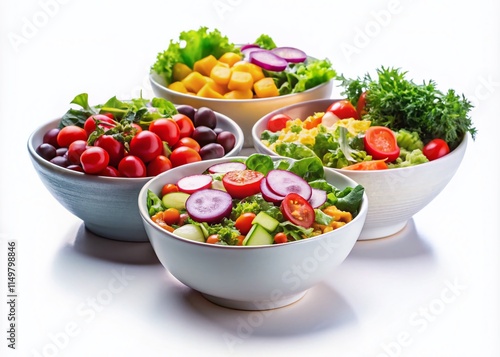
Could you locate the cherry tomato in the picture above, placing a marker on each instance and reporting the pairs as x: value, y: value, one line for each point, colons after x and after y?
x: 361, y: 106
x: 380, y: 142
x: 297, y: 210
x: 280, y: 238
x: 242, y: 183
x: 189, y: 142
x: 75, y: 150
x: 213, y: 239
x: 70, y: 133
x: 110, y: 171
x: 146, y: 145
x: 167, y: 129
x: 171, y: 216
x: 435, y: 149
x: 132, y: 166
x: 94, y: 160
x: 244, y: 222
x: 184, y: 155
x: 115, y: 148
x: 169, y: 187
x: 240, y: 239
x: 158, y: 165
x: 185, y: 124
x: 103, y: 120
x: 278, y: 122
x: 343, y: 109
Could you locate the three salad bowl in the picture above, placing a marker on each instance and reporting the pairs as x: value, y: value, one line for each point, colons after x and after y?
x: 395, y: 194
x: 106, y: 201
x: 256, y: 271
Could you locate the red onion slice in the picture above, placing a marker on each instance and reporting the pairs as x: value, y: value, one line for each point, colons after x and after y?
x: 268, y: 60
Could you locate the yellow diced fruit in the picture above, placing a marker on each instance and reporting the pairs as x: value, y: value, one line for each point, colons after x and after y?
x: 219, y: 88
x: 239, y: 94
x: 208, y: 92
x: 205, y: 65
x: 180, y: 71
x: 178, y: 87
x: 221, y: 74
x: 230, y: 58
x: 240, y: 81
x: 194, y: 81
x: 265, y: 88
x: 253, y: 69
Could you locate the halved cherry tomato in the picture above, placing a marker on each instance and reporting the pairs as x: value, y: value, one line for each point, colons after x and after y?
x: 435, y: 149
x: 169, y: 187
x: 368, y: 165
x: 167, y: 129
x: 361, y: 106
x: 242, y: 183
x: 297, y: 210
x: 184, y: 155
x: 343, y: 109
x: 244, y: 222
x: 278, y: 122
x: 185, y: 124
x: 280, y: 238
x: 380, y: 142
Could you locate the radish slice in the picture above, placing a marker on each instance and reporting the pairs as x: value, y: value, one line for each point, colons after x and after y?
x: 209, y: 205
x: 226, y: 167
x: 193, y: 183
x: 283, y: 182
x: 318, y: 197
x: 267, y: 194
x: 329, y: 119
x: 249, y: 45
x: 268, y: 60
x: 290, y: 54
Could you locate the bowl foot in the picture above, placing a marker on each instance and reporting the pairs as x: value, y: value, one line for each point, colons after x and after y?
x: 255, y: 305
x: 381, y: 232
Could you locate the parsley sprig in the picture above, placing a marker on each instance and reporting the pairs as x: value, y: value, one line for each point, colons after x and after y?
x: 394, y: 101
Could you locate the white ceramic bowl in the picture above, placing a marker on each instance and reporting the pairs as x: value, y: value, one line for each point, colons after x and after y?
x: 107, y: 205
x: 250, y: 278
x: 395, y: 195
x: 245, y: 112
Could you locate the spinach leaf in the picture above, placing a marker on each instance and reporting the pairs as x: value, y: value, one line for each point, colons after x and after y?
x: 259, y: 162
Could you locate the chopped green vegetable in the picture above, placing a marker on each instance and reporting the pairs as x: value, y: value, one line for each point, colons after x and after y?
x: 259, y: 162
x: 396, y: 102
x: 154, y: 203
x: 265, y: 42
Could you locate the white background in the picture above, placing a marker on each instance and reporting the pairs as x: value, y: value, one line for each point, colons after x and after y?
x: 432, y: 290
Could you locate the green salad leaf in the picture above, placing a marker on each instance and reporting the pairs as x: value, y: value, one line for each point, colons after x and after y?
x: 394, y: 101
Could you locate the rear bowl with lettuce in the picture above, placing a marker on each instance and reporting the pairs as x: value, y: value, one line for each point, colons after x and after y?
x: 408, y: 183
x: 302, y: 79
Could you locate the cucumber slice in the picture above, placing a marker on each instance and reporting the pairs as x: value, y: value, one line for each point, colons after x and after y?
x: 175, y: 200
x: 266, y: 221
x: 258, y: 235
x: 190, y: 231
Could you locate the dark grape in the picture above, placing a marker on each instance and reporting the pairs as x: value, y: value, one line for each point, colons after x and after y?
x: 212, y: 151
x: 204, y: 135
x: 60, y: 161
x: 47, y: 151
x: 227, y: 140
x: 50, y: 137
x: 187, y: 110
x: 205, y: 117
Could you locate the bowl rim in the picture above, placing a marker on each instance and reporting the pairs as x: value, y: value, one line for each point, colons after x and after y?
x: 236, y: 129
x: 157, y: 80
x: 256, y: 139
x: 147, y: 219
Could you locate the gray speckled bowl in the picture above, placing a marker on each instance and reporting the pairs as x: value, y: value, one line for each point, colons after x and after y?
x: 107, y: 205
